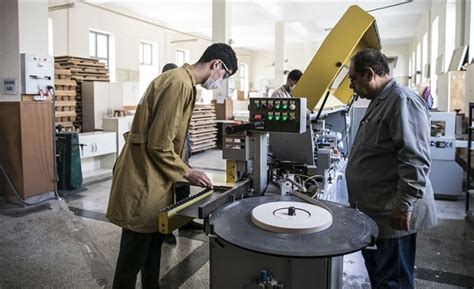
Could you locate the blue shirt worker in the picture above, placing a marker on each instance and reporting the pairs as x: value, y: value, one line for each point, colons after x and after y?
x: 387, y: 171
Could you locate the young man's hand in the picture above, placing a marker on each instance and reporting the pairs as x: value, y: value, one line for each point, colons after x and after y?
x: 400, y: 220
x: 198, y: 178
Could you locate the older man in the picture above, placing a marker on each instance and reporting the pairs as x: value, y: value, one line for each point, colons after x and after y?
x: 387, y: 172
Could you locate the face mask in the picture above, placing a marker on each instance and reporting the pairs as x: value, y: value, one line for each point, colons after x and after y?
x: 211, y: 83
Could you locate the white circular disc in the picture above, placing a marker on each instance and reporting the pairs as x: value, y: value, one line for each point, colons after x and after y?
x: 307, y: 218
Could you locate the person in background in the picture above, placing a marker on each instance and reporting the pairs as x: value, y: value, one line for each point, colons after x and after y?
x: 285, y: 90
x: 152, y: 161
x: 387, y: 171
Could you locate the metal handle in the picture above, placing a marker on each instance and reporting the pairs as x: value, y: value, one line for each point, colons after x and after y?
x: 242, y: 127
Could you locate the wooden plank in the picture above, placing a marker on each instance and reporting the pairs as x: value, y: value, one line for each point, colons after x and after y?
x: 65, y: 103
x: 65, y: 113
x: 62, y: 71
x: 67, y: 82
x: 65, y: 93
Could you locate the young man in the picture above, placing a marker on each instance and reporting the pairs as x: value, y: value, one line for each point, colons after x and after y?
x: 151, y: 161
x: 285, y: 90
x: 387, y: 171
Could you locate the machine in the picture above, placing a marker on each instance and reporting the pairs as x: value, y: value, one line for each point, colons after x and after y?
x: 446, y: 175
x: 289, y: 237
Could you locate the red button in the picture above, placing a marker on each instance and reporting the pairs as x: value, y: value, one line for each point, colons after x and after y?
x: 257, y: 117
x: 269, y: 106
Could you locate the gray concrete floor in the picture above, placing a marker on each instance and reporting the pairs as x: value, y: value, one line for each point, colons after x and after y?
x: 68, y: 243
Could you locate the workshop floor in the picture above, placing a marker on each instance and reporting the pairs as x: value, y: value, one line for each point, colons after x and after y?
x: 69, y: 243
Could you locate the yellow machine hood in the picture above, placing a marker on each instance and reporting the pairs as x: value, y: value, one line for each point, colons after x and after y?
x: 329, y: 68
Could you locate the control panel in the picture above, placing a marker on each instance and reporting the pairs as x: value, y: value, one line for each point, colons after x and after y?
x: 37, y: 73
x: 443, y: 148
x: 279, y: 114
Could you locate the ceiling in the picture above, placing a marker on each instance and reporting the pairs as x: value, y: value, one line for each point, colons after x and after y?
x: 253, y: 21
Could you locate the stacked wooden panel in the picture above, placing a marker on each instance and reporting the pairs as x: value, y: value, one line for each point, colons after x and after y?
x: 82, y: 69
x: 202, y: 129
x: 65, y: 97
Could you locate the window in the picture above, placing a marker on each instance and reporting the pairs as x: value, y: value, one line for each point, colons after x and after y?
x: 146, y: 53
x: 410, y: 71
x: 99, y: 46
x: 182, y: 56
x: 434, y: 56
x: 425, y: 56
x: 244, y: 78
x: 148, y: 64
x: 418, y: 63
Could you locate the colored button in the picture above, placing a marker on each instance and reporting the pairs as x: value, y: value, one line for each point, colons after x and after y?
x: 257, y: 117
x: 285, y: 106
x: 270, y: 117
x: 277, y: 106
x: 292, y: 106
x: 270, y: 106
x: 277, y: 117
x: 284, y: 118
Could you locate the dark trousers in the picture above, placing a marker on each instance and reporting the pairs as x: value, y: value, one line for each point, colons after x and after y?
x: 138, y: 252
x: 392, y: 264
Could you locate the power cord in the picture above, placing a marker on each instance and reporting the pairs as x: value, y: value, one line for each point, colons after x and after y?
x: 17, y: 195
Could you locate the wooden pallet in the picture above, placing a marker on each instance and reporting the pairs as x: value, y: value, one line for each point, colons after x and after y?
x: 202, y: 128
x: 77, y: 69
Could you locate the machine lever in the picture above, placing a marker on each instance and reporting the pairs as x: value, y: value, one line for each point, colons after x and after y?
x: 243, y: 127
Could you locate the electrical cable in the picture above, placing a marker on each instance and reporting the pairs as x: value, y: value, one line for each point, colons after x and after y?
x: 17, y: 195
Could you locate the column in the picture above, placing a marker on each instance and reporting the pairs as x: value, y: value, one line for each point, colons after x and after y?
x: 280, y: 53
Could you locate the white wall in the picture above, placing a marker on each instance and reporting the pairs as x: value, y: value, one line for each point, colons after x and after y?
x: 400, y: 73
x: 263, y: 72
x: 9, y: 47
x: 71, y: 37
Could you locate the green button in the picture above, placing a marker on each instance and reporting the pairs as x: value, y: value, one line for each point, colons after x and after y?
x: 285, y: 106
x: 277, y: 106
x: 257, y: 106
x: 284, y: 118
x: 277, y: 117
x: 270, y: 117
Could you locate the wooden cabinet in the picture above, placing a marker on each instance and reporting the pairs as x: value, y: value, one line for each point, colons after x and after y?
x: 26, y: 147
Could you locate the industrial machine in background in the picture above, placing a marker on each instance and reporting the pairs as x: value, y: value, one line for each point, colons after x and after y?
x: 446, y: 175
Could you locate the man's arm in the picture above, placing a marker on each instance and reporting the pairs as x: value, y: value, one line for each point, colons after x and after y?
x: 167, y: 118
x: 410, y: 131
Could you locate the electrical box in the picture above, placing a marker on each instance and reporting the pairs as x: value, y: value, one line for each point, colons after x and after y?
x: 37, y: 73
x: 279, y: 114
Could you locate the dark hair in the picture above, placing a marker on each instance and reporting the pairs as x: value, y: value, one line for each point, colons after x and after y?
x: 295, y: 75
x: 169, y: 66
x: 223, y: 52
x: 370, y: 58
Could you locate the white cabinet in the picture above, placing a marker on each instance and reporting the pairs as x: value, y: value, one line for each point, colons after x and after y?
x: 451, y: 91
x: 98, y: 152
x: 119, y: 125
x: 99, y: 99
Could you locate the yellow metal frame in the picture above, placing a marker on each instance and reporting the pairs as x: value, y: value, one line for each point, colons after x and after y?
x: 355, y: 31
x: 170, y: 221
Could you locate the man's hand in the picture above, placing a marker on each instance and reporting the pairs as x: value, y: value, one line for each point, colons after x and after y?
x: 400, y: 220
x: 198, y: 178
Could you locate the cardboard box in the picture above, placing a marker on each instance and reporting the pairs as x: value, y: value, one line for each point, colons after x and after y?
x: 241, y: 95
x: 224, y: 111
